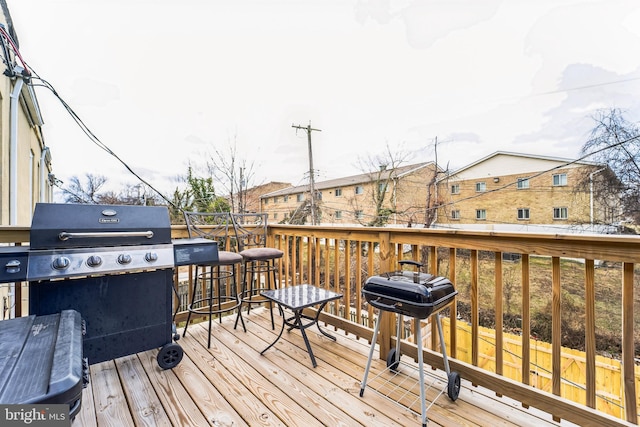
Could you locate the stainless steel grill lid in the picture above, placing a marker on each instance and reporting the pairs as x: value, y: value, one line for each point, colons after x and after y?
x: 57, y: 225
x: 76, y: 240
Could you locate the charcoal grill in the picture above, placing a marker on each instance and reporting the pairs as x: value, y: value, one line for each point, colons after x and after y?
x: 418, y: 295
x: 114, y: 265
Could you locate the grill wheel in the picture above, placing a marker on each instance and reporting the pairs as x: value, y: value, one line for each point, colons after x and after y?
x: 169, y: 355
x: 392, y: 363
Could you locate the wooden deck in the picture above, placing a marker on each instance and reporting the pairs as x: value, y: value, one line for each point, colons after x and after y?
x: 231, y: 384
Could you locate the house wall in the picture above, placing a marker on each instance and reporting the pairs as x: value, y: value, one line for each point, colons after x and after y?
x: 30, y: 149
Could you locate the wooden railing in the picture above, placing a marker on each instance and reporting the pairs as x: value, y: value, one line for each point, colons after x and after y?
x: 343, y: 257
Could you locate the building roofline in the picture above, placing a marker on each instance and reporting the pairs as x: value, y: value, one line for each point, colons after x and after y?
x: 525, y: 155
x: 348, y: 180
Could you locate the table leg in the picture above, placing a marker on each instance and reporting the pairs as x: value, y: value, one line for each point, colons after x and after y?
x: 281, y: 330
x: 304, y: 336
x: 326, y: 334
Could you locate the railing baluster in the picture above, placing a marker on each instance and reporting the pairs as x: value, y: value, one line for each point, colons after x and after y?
x: 628, y: 365
x: 475, y: 312
x: 590, y: 332
x: 452, y: 349
x: 499, y: 314
x: 347, y: 278
x: 526, y: 320
x: 556, y: 330
x: 370, y: 270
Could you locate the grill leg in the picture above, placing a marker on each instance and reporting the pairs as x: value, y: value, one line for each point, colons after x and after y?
x: 423, y: 398
x: 373, y: 345
x: 399, y: 322
x: 444, y: 348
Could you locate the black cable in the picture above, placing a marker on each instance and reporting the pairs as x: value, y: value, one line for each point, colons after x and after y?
x: 94, y: 138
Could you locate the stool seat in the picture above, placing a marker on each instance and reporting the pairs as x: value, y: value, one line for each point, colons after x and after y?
x: 261, y: 254
x: 228, y: 258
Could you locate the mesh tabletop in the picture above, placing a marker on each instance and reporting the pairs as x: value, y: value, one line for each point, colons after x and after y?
x: 300, y: 296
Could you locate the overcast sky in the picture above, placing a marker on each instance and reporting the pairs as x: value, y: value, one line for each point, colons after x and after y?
x: 163, y: 82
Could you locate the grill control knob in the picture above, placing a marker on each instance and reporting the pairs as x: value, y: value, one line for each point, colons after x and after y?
x: 61, y: 263
x: 94, y: 261
x: 13, y: 266
x: 124, y: 259
x: 151, y: 257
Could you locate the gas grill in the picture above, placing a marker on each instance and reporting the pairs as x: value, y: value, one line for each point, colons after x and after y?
x: 418, y: 295
x: 114, y: 265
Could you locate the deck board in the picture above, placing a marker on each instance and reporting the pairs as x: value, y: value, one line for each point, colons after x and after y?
x: 145, y: 406
x: 231, y: 384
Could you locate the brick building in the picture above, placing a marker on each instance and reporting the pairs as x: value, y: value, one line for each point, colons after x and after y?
x: 400, y: 194
x: 514, y: 191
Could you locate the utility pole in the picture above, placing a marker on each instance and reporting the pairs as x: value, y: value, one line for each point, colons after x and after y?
x: 312, y: 185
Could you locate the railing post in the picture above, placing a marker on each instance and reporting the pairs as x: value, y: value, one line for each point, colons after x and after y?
x: 386, y: 318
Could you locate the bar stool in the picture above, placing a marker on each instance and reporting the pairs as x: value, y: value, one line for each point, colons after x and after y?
x: 223, y: 297
x: 259, y: 260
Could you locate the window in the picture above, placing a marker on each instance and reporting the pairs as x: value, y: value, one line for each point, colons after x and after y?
x: 275, y: 215
x: 318, y: 195
x: 481, y: 186
x: 338, y: 215
x: 298, y: 197
x: 359, y: 214
x: 382, y: 187
x: 481, y: 214
x: 523, y: 183
x: 455, y: 189
x: 266, y: 200
x: 275, y: 200
x: 455, y: 214
x: 285, y: 199
x: 359, y: 189
x: 338, y: 192
x: 523, y: 213
x: 560, y: 179
x: 560, y: 213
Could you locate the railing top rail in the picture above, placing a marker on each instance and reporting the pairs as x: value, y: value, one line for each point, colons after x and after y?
x: 616, y: 248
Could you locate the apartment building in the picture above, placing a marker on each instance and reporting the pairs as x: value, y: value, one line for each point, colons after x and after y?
x: 399, y: 194
x: 503, y: 191
x: 521, y: 192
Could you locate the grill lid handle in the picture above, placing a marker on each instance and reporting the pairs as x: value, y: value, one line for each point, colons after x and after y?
x: 119, y: 234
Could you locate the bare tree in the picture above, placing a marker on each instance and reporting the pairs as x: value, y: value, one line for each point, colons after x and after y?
x: 382, y: 173
x: 615, y: 143
x: 87, y: 191
x: 234, y: 174
x: 432, y: 200
x: 91, y: 191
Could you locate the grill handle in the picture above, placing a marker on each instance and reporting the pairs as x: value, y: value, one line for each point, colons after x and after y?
x: 119, y: 234
x: 410, y: 262
x: 382, y: 306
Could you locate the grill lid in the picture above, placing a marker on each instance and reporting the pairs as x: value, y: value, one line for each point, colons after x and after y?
x: 60, y: 226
